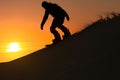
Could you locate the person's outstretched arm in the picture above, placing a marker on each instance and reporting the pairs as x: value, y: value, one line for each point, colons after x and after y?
x: 44, y: 19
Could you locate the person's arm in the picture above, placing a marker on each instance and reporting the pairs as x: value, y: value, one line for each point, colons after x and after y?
x: 44, y: 19
x: 67, y: 16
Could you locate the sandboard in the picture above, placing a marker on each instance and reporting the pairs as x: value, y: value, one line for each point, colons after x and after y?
x: 50, y: 45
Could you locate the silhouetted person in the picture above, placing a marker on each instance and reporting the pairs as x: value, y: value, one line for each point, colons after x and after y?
x: 59, y: 14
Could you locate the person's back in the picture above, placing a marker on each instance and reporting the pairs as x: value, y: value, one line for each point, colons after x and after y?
x: 55, y: 10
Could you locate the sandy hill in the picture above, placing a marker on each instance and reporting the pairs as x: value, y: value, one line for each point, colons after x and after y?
x: 92, y: 54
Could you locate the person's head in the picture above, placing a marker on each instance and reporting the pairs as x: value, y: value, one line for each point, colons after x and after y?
x: 44, y: 4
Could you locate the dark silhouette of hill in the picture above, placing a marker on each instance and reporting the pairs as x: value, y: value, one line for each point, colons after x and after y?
x: 92, y: 54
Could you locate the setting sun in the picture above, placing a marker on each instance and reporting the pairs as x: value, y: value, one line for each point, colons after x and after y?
x: 13, y: 47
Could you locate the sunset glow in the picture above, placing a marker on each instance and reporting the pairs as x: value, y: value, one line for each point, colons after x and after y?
x: 20, y: 22
x: 14, y: 47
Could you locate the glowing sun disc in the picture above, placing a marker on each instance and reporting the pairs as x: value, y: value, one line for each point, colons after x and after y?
x: 13, y: 47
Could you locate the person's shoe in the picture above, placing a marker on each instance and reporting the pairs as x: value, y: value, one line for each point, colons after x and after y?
x: 55, y: 41
x: 49, y: 45
x: 65, y: 37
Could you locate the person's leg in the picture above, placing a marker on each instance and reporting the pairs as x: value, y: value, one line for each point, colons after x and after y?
x: 66, y: 31
x: 55, y: 32
x: 63, y: 28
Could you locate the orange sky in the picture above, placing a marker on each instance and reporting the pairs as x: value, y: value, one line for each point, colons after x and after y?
x: 20, y: 21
